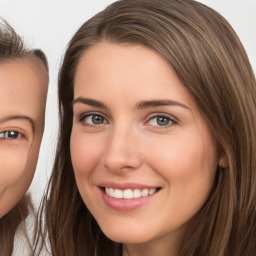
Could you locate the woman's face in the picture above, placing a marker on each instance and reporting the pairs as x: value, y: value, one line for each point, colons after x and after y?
x: 23, y: 86
x: 143, y: 156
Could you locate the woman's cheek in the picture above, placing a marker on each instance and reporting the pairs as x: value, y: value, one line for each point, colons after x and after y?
x: 85, y: 153
x: 171, y: 156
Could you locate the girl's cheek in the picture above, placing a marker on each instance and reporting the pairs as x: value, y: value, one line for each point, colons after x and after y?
x: 13, y: 163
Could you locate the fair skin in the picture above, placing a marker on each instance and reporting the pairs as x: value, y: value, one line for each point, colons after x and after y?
x: 23, y: 83
x: 138, y: 134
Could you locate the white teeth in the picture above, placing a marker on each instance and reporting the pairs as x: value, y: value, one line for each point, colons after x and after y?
x: 118, y: 193
x: 152, y: 191
x: 136, y: 193
x: 111, y: 192
x: 129, y: 193
x: 144, y: 192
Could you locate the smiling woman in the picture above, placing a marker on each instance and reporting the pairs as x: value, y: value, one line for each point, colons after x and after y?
x: 128, y: 157
x: 23, y: 83
x: 157, y: 146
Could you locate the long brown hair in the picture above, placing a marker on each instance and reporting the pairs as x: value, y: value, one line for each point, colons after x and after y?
x: 12, y: 47
x: 211, y: 62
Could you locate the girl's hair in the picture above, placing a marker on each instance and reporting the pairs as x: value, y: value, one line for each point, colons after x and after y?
x: 12, y: 47
x: 212, y: 64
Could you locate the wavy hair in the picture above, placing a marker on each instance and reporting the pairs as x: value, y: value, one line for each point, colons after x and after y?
x: 211, y: 62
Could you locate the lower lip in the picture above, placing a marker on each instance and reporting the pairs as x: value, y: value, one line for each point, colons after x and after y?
x: 125, y: 204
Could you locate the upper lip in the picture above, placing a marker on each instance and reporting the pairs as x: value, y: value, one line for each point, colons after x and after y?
x: 124, y: 186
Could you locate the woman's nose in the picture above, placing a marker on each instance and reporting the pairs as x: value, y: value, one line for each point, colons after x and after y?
x: 122, y: 153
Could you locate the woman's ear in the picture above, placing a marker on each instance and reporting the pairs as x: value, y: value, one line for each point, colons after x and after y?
x: 223, y: 162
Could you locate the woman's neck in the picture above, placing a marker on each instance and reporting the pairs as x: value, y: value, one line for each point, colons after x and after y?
x: 164, y: 246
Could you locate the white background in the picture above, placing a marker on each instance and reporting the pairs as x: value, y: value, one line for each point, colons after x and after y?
x: 49, y: 25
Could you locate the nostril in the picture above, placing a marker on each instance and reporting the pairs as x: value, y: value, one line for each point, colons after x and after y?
x: 120, y: 163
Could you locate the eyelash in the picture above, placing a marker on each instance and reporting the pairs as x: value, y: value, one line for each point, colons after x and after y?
x: 171, y: 120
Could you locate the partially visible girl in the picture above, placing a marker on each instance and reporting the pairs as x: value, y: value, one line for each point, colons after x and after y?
x: 23, y: 91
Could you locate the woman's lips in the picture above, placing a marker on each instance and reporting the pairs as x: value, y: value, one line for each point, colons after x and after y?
x: 129, y: 193
x: 126, y: 197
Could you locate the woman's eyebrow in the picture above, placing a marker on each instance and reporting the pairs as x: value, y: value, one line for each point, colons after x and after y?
x: 140, y: 105
x: 158, y: 103
x: 90, y: 102
x: 19, y: 117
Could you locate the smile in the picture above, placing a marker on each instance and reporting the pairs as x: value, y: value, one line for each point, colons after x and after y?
x: 129, y: 193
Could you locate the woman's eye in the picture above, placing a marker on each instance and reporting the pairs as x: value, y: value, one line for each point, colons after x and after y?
x: 160, y: 121
x: 9, y: 135
x: 93, y: 119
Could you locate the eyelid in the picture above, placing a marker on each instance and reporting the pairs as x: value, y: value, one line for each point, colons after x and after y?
x: 85, y: 114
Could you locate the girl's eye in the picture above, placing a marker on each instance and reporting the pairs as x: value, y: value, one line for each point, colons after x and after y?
x: 93, y: 119
x: 9, y: 135
x: 160, y: 121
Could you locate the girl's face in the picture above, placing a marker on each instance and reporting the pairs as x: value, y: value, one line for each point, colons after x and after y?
x: 23, y: 87
x: 143, y: 156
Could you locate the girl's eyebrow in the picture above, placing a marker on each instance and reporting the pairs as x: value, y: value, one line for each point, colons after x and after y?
x: 19, y: 117
x: 140, y: 105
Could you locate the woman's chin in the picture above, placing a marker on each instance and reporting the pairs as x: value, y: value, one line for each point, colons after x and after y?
x: 126, y: 237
